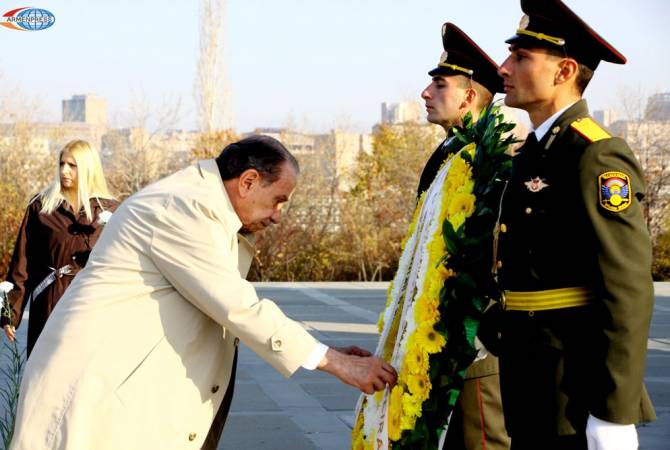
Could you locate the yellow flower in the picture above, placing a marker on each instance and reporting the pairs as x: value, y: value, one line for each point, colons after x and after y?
x: 444, y: 273
x: 395, y: 413
x: 416, y: 360
x: 427, y: 338
x: 461, y: 203
x: 457, y: 220
x: 419, y: 385
x: 426, y: 311
x: 468, y: 187
x: 470, y: 148
x: 411, y: 405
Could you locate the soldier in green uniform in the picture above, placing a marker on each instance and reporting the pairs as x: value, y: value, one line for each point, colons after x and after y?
x: 573, y: 252
x: 464, y: 81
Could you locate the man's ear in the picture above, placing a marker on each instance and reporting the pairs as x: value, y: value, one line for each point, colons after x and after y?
x: 248, y: 181
x: 470, y: 98
x: 567, y: 70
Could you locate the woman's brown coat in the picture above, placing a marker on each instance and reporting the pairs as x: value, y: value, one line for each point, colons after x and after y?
x: 46, y: 242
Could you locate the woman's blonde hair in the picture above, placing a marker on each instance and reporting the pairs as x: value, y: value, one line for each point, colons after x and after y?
x: 90, y: 179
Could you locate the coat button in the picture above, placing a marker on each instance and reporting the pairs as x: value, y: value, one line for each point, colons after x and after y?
x: 236, y: 341
x: 529, y: 210
x: 503, y: 228
x: 499, y: 264
x: 276, y: 344
x: 215, y: 389
x: 191, y: 436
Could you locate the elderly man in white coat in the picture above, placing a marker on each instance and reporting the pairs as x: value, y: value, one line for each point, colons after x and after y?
x: 139, y: 351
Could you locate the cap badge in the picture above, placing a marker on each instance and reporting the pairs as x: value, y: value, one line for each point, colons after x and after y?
x: 523, y: 23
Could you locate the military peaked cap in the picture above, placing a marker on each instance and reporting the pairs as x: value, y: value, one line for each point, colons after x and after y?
x: 551, y: 24
x: 462, y: 56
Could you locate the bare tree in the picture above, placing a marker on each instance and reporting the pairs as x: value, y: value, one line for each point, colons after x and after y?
x: 26, y: 165
x: 212, y: 86
x: 134, y: 156
x: 649, y: 138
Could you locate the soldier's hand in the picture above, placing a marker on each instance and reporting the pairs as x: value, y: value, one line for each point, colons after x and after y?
x: 10, y: 331
x: 368, y: 373
x: 353, y: 350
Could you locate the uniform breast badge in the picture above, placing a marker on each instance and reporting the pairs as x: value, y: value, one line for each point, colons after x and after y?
x: 614, y: 191
x: 536, y: 184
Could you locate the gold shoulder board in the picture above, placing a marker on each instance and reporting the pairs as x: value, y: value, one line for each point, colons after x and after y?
x: 589, y: 129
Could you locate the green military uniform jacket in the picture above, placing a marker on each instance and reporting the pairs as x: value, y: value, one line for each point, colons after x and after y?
x: 571, y: 217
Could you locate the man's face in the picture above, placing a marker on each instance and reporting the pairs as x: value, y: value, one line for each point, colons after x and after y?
x: 529, y: 77
x: 445, y: 100
x: 263, y: 203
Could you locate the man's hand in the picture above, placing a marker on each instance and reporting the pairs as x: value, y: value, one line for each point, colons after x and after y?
x: 10, y: 331
x: 352, y: 350
x: 602, y: 435
x: 367, y: 373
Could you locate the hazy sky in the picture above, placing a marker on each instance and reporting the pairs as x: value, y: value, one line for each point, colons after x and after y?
x: 314, y: 64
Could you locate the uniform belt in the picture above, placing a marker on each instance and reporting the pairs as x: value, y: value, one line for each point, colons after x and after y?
x: 548, y: 300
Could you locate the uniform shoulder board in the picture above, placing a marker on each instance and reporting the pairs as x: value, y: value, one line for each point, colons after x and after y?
x: 589, y: 129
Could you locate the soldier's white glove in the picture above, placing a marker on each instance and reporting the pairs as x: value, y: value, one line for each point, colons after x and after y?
x: 601, y: 435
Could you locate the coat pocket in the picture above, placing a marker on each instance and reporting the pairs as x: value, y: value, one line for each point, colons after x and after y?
x: 130, y: 379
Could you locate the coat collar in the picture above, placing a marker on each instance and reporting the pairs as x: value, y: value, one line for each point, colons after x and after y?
x: 210, y: 173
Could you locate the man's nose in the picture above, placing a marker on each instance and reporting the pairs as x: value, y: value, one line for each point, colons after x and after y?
x: 424, y: 94
x: 276, y: 216
x: 503, y: 69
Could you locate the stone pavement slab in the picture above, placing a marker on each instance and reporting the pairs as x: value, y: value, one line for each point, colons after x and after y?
x: 313, y: 411
x: 350, y: 311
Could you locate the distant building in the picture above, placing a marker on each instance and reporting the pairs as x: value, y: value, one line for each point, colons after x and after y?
x: 296, y: 142
x: 396, y: 113
x: 605, y: 116
x: 333, y: 154
x: 658, y: 107
x: 88, y: 108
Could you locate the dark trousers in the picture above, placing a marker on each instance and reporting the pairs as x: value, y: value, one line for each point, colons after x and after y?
x: 215, y: 432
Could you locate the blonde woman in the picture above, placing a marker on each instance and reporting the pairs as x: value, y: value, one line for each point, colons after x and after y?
x: 59, y: 229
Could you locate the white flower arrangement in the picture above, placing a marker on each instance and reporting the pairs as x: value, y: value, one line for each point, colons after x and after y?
x: 5, y: 287
x: 104, y: 217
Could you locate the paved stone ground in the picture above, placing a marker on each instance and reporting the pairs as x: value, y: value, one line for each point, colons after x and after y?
x: 312, y: 410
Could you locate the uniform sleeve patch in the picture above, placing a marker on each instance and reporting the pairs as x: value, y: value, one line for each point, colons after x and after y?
x: 589, y: 129
x: 614, y: 191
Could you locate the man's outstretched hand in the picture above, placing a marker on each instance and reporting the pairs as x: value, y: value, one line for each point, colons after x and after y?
x: 367, y: 373
x: 352, y: 350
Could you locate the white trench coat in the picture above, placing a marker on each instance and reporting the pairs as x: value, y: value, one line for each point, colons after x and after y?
x: 138, y: 352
